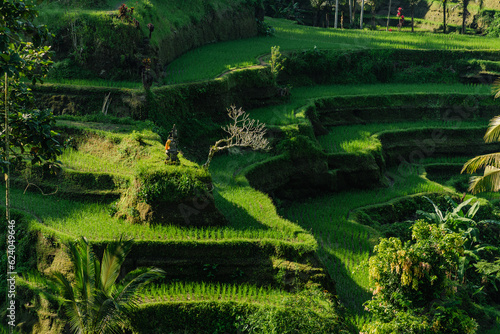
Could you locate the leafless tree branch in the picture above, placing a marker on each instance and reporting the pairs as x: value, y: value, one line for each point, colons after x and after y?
x: 243, y: 132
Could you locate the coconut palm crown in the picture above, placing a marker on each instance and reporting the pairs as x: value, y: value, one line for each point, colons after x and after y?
x: 94, y: 302
x: 490, y: 180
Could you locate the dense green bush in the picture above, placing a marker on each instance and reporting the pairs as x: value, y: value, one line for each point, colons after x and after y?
x: 301, y: 147
x: 99, y: 42
x: 494, y: 26
x: 415, y: 284
x: 171, y: 184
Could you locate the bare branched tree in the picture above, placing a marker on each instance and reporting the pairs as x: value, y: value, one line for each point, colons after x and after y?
x: 243, y: 132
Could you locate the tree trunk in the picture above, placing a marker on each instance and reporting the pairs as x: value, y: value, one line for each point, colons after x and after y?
x: 373, y: 17
x: 211, y: 154
x: 315, y: 22
x: 412, y: 16
x: 7, y: 147
x: 353, y: 13
x: 464, y: 14
x: 361, y: 16
x: 388, y: 15
x: 336, y: 13
x: 444, y: 16
x: 350, y: 11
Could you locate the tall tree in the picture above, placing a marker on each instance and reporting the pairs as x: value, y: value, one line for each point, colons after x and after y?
x: 26, y: 133
x: 95, y: 303
x: 350, y: 11
x: 375, y: 4
x: 316, y: 5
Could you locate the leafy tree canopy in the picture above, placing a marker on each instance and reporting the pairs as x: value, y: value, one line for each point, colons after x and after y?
x: 24, y: 57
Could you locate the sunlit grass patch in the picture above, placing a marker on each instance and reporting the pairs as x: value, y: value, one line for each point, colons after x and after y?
x: 95, y: 83
x: 198, y: 291
x: 360, y: 137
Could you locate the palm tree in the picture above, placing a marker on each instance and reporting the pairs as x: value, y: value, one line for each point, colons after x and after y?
x: 94, y: 303
x: 490, y: 181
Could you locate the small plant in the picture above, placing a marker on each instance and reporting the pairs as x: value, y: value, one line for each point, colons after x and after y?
x: 210, y: 270
x: 113, y: 208
x: 238, y: 273
x: 276, y: 61
x: 264, y: 29
x: 126, y: 14
x: 151, y: 28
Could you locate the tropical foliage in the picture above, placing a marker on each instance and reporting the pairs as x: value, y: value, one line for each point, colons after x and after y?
x: 415, y: 284
x: 23, y: 57
x: 94, y: 302
x: 425, y: 285
x: 490, y: 180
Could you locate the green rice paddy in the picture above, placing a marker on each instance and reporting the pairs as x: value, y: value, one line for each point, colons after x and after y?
x: 211, y: 60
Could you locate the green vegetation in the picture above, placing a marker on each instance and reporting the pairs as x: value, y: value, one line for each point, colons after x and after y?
x: 95, y: 303
x: 209, y: 61
x: 429, y: 266
x: 440, y: 262
x: 277, y: 241
x: 188, y: 291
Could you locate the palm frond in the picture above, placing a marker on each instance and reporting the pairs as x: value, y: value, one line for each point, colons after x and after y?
x: 496, y: 88
x: 94, y: 303
x: 71, y: 305
x: 84, y: 261
x: 490, y: 181
x: 128, y: 293
x: 493, y: 132
x: 481, y: 161
x: 112, y: 260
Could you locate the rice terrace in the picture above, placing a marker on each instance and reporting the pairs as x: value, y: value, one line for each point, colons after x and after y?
x: 250, y: 166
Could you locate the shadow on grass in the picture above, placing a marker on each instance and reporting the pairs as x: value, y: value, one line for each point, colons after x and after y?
x: 238, y: 217
x: 350, y: 293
